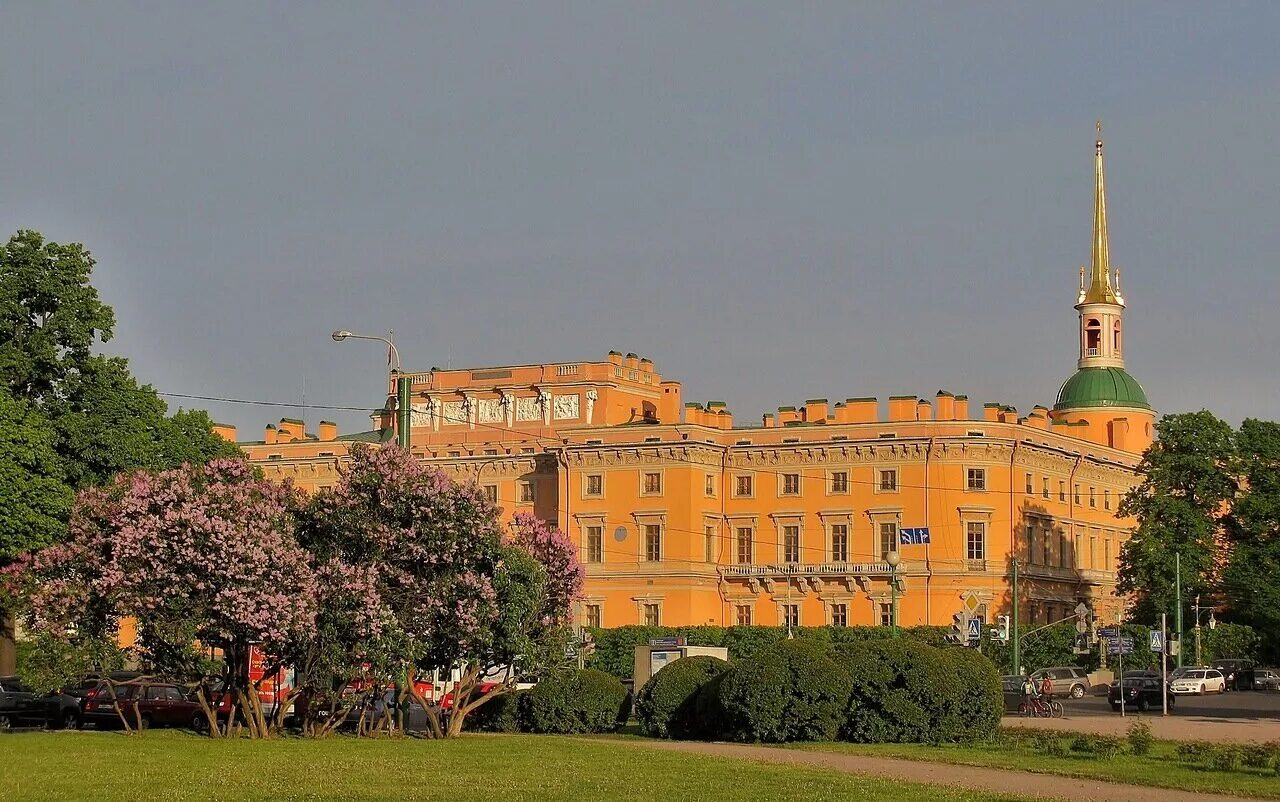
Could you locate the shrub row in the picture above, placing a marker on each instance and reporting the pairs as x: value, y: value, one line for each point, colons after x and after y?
x: 571, y: 702
x: 869, y: 691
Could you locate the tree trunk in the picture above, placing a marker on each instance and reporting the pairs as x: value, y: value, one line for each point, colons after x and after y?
x: 8, y: 644
x: 209, y: 713
x: 433, y: 714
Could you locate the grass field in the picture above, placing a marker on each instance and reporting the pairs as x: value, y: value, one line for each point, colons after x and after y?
x: 1157, y: 769
x: 177, y: 765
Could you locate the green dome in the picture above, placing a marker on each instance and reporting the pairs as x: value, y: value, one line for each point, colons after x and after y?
x: 1101, y: 387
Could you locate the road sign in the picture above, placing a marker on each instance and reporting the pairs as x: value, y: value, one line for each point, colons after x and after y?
x: 1157, y: 640
x: 1120, y: 645
x: 1082, y: 610
x: 1082, y: 644
x: 1109, y: 632
x: 914, y: 535
x: 1082, y: 627
x: 975, y: 630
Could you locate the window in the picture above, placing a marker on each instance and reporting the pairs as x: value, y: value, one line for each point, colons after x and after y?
x: 840, y: 543
x: 709, y: 488
x: 1075, y: 552
x: 791, y: 544
x: 1093, y: 498
x: 1044, y: 488
x: 888, y: 538
x: 1062, y: 490
x: 1076, y: 493
x: 791, y: 615
x: 709, y: 535
x: 1030, y: 490
x: 1046, y: 542
x: 1063, y: 549
x: 651, y: 615
x: 491, y: 493
x: 744, y: 545
x: 652, y: 542
x: 839, y: 615
x: 886, y: 614
x: 1106, y: 499
x: 976, y: 479
x: 595, y: 485
x: 790, y: 484
x: 976, y: 540
x: 743, y: 615
x: 526, y: 492
x: 743, y: 486
x: 652, y: 484
x: 888, y: 480
x: 1031, y: 542
x: 593, y: 615
x: 595, y: 544
x: 1106, y: 545
x: 839, y: 482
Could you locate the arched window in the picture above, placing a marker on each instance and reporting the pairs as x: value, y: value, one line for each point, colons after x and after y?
x: 1092, y: 337
x: 1115, y: 338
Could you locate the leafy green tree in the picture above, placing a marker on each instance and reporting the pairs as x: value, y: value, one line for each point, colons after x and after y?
x: 71, y: 418
x: 1185, y: 489
x: 33, y: 496
x: 1251, y: 579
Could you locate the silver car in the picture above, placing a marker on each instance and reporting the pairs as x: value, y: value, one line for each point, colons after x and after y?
x: 1070, y: 681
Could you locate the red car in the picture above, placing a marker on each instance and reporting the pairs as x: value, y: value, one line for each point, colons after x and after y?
x: 159, y: 704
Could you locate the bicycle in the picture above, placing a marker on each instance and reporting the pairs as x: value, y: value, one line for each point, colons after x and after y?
x: 1039, y: 707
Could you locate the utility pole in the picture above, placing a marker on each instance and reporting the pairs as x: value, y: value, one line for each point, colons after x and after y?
x: 1017, y: 649
x: 1177, y: 584
x: 1164, y: 666
x: 1196, y: 610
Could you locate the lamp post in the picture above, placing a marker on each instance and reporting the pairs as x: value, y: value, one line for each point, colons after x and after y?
x: 1213, y: 622
x: 403, y: 382
x: 893, y: 558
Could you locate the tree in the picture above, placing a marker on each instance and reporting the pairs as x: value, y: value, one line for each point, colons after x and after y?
x: 33, y: 496
x: 99, y: 419
x: 197, y: 555
x: 1251, y: 578
x: 465, y: 594
x: 1186, y: 486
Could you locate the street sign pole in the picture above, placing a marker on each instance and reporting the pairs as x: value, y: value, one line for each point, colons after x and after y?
x: 1121, y: 659
x: 1013, y: 622
x: 1164, y: 667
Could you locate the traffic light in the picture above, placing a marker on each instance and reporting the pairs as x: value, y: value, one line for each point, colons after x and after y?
x: 959, y: 630
x: 1002, y: 628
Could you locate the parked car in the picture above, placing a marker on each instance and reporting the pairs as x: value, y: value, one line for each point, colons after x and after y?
x: 19, y: 705
x: 159, y: 704
x: 64, y: 708
x: 1070, y: 681
x: 1266, y: 679
x: 1200, y: 682
x: 1182, y: 671
x: 1232, y: 671
x: 1143, y: 690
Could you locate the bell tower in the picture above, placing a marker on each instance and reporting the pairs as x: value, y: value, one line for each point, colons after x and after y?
x: 1102, y: 402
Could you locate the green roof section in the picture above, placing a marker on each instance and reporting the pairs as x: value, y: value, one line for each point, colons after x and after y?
x: 1101, y: 387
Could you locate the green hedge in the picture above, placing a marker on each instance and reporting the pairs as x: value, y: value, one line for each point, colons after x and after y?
x: 791, y: 691
x: 615, y: 648
x: 500, y: 714
x: 906, y: 692
x: 576, y: 701
x: 665, y: 706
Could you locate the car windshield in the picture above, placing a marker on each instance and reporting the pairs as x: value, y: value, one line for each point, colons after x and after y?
x: 1194, y: 675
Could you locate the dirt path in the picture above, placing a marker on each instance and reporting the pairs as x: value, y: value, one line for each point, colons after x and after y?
x: 1020, y: 783
x: 1172, y: 728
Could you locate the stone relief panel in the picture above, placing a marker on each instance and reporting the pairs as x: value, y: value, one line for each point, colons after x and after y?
x: 455, y: 412
x: 490, y: 410
x: 420, y: 415
x: 566, y: 407
x: 527, y: 409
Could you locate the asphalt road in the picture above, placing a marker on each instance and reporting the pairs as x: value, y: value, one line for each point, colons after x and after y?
x: 1255, y: 705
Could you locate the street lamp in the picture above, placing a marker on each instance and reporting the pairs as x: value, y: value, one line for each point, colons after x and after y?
x: 403, y: 382
x: 893, y: 558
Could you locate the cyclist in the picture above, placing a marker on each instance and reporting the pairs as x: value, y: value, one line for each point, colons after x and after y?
x: 1046, y: 689
x: 1028, y: 695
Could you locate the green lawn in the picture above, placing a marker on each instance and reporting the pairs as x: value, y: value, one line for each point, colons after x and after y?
x: 175, y: 765
x: 1158, y: 769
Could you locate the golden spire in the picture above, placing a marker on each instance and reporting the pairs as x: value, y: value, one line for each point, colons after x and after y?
x: 1099, y: 289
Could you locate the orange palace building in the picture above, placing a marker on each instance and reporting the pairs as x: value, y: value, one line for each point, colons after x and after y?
x: 685, y: 518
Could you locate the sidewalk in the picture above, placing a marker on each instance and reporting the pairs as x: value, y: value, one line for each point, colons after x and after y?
x: 1171, y: 728
x: 1019, y: 783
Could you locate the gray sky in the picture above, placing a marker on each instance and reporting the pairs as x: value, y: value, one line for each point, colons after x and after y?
x: 772, y: 201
